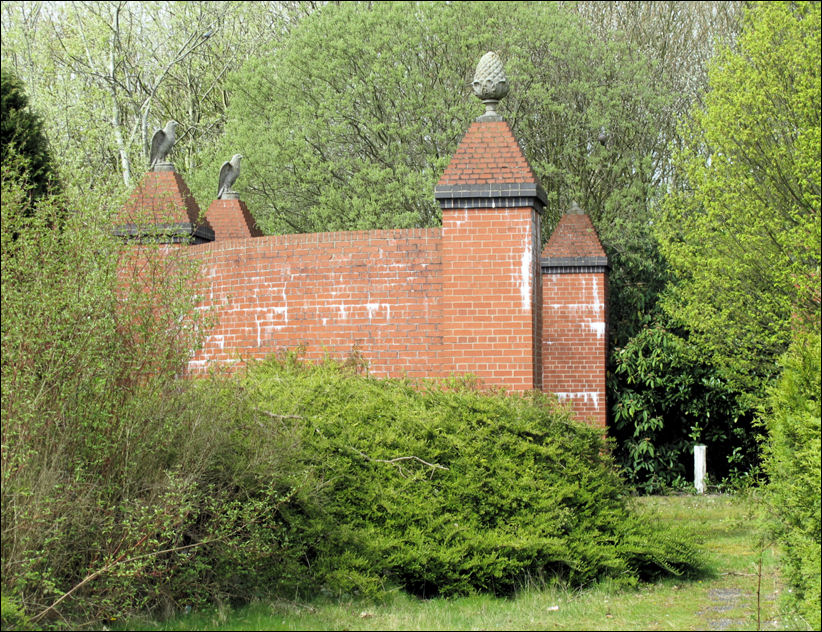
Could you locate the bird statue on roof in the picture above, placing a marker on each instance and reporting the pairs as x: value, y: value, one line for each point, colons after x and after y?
x: 161, y: 143
x: 228, y: 176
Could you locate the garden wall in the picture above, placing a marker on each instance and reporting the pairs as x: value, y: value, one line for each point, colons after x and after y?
x: 475, y: 296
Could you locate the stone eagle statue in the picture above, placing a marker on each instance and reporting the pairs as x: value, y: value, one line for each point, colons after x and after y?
x: 161, y: 143
x: 228, y: 176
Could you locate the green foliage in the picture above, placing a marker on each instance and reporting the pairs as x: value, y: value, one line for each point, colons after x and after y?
x: 794, y: 466
x: 124, y: 489
x: 448, y: 491
x: 105, y: 75
x: 350, y: 123
x: 22, y: 136
x: 667, y: 400
x: 742, y: 232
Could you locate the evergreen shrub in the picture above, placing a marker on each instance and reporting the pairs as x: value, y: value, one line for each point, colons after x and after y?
x: 665, y: 399
x: 450, y: 489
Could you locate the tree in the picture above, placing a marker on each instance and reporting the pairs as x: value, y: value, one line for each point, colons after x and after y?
x: 22, y: 137
x: 109, y: 73
x: 350, y: 122
x: 742, y: 232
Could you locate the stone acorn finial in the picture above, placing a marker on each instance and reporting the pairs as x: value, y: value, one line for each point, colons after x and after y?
x: 490, y: 85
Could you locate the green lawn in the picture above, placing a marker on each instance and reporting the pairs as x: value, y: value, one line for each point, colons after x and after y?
x: 724, y: 599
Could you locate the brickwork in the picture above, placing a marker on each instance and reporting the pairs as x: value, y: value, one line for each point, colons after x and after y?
x: 575, y: 340
x: 489, y: 286
x: 488, y: 154
x: 471, y: 297
x: 377, y: 291
x: 231, y: 219
x: 161, y: 197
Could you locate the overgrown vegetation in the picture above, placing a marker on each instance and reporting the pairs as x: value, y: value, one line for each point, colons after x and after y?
x: 794, y: 465
x: 667, y: 400
x: 125, y: 489
x: 742, y: 231
x: 454, y: 491
x: 114, y: 472
x: 725, y: 597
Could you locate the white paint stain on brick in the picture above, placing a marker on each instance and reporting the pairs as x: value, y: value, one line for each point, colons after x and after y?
x: 373, y: 308
x: 525, y: 276
x: 593, y: 396
x: 282, y: 311
x: 596, y: 302
x: 573, y: 306
x: 597, y: 327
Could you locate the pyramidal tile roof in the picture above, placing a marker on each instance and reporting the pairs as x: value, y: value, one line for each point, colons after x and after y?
x: 231, y: 219
x: 574, y: 236
x: 162, y: 197
x: 488, y: 154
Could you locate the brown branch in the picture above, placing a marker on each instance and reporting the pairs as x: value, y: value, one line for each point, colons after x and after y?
x: 111, y: 565
x: 400, y: 458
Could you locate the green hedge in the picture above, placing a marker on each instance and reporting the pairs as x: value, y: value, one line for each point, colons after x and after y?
x: 447, y: 491
x: 794, y: 466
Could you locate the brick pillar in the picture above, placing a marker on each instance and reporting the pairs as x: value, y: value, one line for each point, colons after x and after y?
x: 575, y: 312
x: 163, y: 208
x: 231, y: 219
x: 492, y: 286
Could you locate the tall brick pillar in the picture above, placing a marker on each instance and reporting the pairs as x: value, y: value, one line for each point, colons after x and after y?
x: 575, y: 311
x: 492, y: 293
x: 163, y: 208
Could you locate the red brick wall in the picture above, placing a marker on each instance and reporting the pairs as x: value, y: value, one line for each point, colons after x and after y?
x: 575, y: 342
x: 378, y: 291
x: 469, y: 298
x: 490, y: 287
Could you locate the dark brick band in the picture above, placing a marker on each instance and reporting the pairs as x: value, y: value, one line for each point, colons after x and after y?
x: 492, y: 202
x: 479, y: 195
x: 166, y: 233
x: 574, y: 265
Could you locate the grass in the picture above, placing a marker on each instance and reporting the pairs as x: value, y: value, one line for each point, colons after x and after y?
x: 725, y: 598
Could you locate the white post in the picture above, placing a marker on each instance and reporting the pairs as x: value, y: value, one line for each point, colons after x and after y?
x: 700, y: 468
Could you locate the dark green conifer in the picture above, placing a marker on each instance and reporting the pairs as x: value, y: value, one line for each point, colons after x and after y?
x: 22, y: 136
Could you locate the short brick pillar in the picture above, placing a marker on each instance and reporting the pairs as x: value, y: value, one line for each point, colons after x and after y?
x: 491, y: 283
x: 231, y: 219
x: 575, y: 312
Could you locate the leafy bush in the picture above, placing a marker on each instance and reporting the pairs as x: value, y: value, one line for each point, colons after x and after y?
x: 123, y: 487
x: 448, y: 491
x: 669, y: 400
x: 794, y: 465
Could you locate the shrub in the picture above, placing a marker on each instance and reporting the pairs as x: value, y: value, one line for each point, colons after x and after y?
x: 668, y: 400
x: 794, y: 463
x: 123, y: 487
x: 450, y: 491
